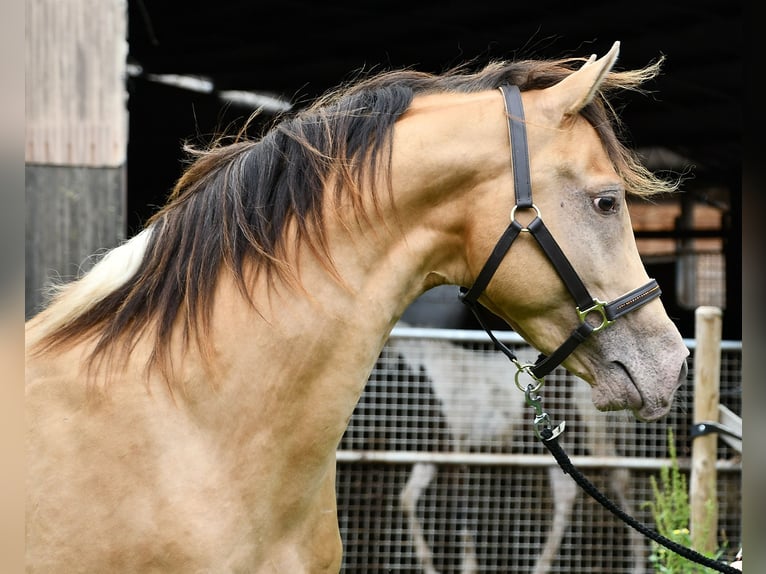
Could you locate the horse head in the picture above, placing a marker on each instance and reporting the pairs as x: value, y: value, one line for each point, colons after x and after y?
x: 573, y: 192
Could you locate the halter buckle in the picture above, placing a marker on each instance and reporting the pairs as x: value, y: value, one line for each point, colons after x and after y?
x: 598, y: 306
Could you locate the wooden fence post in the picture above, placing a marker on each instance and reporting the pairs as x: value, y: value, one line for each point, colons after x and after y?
x: 702, y: 488
x: 76, y: 137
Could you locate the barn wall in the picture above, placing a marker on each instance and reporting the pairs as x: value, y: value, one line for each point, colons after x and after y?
x: 71, y: 212
x: 76, y: 136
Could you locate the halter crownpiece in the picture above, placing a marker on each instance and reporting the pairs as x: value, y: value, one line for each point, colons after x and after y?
x: 587, y: 307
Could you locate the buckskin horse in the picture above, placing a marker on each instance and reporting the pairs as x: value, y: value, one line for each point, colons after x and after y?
x: 185, y: 397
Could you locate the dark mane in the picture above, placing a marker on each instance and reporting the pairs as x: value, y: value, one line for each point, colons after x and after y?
x: 235, y: 202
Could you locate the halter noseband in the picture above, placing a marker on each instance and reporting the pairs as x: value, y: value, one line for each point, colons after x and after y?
x: 586, y: 305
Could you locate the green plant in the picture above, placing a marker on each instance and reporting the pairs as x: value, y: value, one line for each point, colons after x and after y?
x: 670, y: 511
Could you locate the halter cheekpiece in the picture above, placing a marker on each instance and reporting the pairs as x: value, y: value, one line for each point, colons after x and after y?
x: 587, y: 306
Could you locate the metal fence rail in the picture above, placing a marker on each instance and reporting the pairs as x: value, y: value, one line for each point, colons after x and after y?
x: 446, y: 398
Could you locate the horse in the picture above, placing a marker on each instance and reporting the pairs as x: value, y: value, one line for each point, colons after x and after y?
x: 186, y: 396
x: 490, y: 415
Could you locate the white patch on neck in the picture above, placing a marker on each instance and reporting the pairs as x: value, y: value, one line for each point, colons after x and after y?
x: 110, y: 273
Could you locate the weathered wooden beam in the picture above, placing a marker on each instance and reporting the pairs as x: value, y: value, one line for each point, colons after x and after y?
x: 76, y: 137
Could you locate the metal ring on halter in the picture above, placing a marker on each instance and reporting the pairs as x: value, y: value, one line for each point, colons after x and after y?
x: 527, y: 368
x: 515, y: 207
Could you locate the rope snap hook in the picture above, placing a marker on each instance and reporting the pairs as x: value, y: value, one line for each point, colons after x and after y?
x: 541, y: 422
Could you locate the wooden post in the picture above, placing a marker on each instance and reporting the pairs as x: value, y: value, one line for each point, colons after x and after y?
x: 702, y: 488
x: 76, y: 137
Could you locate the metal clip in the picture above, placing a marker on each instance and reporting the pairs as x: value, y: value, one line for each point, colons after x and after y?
x: 542, y: 421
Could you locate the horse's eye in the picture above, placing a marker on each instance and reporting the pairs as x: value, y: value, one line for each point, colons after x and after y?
x: 606, y: 204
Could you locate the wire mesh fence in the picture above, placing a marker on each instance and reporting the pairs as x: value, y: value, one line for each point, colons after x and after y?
x: 440, y: 470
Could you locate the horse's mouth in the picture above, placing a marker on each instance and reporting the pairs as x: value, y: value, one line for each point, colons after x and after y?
x: 621, y: 392
x: 643, y: 408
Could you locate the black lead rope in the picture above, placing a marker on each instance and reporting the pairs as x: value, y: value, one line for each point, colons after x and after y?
x: 550, y: 439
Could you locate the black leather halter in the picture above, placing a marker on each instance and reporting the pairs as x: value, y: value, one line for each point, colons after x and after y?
x: 587, y: 306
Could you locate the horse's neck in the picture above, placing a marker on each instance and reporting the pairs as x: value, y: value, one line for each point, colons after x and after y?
x: 293, y: 344
x: 307, y: 358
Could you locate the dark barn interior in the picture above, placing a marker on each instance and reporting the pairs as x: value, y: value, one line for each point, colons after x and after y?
x: 191, y: 62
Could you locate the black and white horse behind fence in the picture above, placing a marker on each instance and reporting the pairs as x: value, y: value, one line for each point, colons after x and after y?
x: 482, y: 406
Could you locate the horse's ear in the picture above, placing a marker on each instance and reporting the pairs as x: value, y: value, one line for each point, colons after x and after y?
x: 575, y: 91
